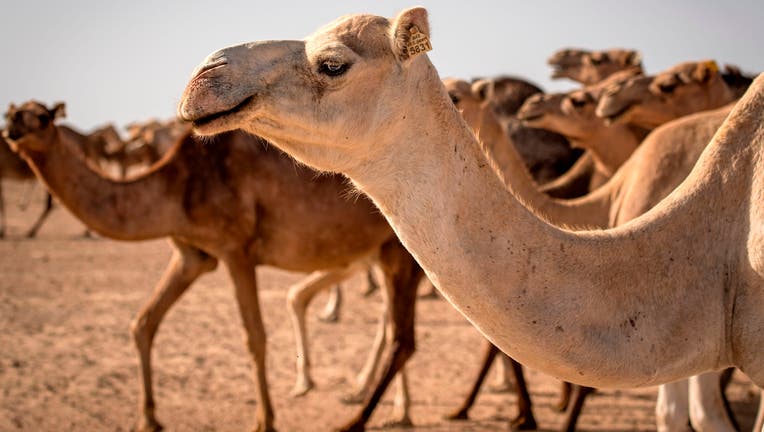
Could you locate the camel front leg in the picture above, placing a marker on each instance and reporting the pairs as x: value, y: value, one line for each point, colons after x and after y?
x: 501, y: 381
x: 707, y: 410
x: 672, y: 409
x: 242, y: 271
x: 758, y: 425
x: 2, y: 211
x: 185, y: 266
x: 579, y: 395
x: 402, y: 275
x: 298, y: 299
x: 489, y: 354
x: 45, y: 212
x: 401, y: 402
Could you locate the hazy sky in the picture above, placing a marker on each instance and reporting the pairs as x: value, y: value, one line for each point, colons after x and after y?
x: 114, y: 61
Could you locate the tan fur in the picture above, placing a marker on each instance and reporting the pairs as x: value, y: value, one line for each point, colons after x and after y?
x: 602, y: 308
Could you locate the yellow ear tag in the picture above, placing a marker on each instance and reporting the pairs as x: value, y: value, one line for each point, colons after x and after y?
x: 418, y: 43
x: 712, y: 66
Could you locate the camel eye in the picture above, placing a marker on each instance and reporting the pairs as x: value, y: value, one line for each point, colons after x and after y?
x: 454, y: 98
x: 333, y: 68
x: 578, y: 102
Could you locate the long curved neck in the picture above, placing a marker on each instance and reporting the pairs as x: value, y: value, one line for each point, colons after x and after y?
x: 610, y: 146
x: 135, y: 209
x: 550, y: 297
x: 590, y: 211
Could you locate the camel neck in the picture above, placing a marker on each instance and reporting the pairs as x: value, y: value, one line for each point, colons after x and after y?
x: 133, y: 209
x: 551, y: 297
x: 610, y: 147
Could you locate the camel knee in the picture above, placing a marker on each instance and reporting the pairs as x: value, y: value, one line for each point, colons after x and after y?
x: 142, y: 336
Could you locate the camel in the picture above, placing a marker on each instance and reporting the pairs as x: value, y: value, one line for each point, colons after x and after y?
x: 599, y: 308
x: 226, y: 202
x: 640, y: 101
x: 13, y: 167
x: 148, y: 141
x: 572, y: 114
x: 591, y: 67
x: 676, y: 145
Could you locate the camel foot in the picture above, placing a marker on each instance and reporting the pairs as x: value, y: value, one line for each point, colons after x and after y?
x: 355, y: 426
x: 353, y: 398
x: 523, y: 423
x: 330, y: 317
x: 301, y: 388
x: 262, y: 428
x: 149, y: 425
x: 460, y: 414
x: 30, y: 234
x: 403, y: 422
x: 499, y: 388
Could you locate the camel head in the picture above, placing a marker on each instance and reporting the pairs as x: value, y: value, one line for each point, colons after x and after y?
x: 470, y: 99
x: 650, y: 101
x: 591, y: 67
x: 30, y: 126
x: 332, y: 100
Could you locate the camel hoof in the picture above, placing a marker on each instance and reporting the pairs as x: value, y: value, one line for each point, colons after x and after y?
x: 352, y: 427
x: 461, y: 414
x: 301, y: 389
x: 261, y: 428
x: 331, y: 317
x: 522, y: 423
x: 149, y: 425
x: 501, y: 388
x: 31, y: 234
x: 403, y: 422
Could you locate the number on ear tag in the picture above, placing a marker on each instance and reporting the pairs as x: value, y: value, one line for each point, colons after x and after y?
x: 418, y: 42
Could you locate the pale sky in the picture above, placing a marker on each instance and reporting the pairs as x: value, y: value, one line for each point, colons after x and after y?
x: 114, y: 61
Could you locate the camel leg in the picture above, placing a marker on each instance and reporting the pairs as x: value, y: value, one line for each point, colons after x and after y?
x: 48, y: 206
x: 524, y: 419
x: 331, y: 312
x: 365, y: 377
x: 371, y: 284
x: 185, y: 266
x: 707, y: 410
x: 489, y: 353
x: 672, y: 409
x: 401, y: 402
x: 242, y: 271
x: 501, y: 381
x: 758, y: 425
x: 402, y: 276
x: 298, y: 299
x: 2, y: 211
x: 566, y: 389
x: 574, y: 410
x: 725, y: 378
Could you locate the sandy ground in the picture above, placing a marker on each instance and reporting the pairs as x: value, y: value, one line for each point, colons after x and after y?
x: 67, y: 360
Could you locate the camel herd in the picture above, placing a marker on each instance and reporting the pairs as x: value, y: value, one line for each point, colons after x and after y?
x: 616, y: 242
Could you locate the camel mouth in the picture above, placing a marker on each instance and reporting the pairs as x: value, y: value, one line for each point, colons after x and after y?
x: 529, y: 117
x: 201, y: 122
x: 615, y: 116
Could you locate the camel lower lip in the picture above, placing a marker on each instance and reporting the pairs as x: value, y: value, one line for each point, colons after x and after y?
x: 531, y: 117
x: 202, y: 121
x: 615, y: 116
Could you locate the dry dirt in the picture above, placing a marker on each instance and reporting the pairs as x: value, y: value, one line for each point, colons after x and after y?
x: 67, y: 361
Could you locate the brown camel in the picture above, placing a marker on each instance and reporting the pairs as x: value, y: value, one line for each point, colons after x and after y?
x: 591, y: 67
x: 234, y: 201
x: 14, y: 168
x: 676, y: 145
x: 601, y: 308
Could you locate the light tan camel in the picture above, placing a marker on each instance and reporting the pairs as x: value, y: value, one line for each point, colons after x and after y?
x: 669, y: 155
x: 226, y: 202
x: 641, y: 101
x: 573, y: 115
x: 600, y: 308
x: 12, y: 167
x: 591, y: 67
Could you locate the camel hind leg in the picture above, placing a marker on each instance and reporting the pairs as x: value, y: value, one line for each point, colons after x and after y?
x: 44, y: 215
x: 2, y: 211
x: 298, y: 299
x: 185, y: 266
x: 402, y: 275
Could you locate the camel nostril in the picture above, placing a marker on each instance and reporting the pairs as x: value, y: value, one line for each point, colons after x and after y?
x: 210, y: 66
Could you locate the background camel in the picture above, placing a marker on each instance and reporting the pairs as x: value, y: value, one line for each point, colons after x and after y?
x: 591, y: 67
x: 238, y: 202
x: 669, y: 156
x: 639, y: 337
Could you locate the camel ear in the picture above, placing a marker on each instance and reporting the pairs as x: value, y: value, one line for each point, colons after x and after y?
x: 634, y: 59
x: 58, y: 111
x: 410, y: 34
x: 482, y: 89
x: 705, y: 70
